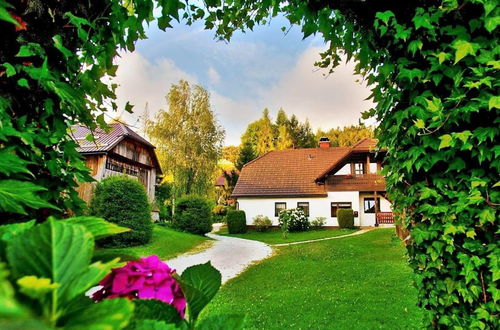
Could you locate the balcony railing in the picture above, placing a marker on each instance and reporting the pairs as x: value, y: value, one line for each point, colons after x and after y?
x: 384, y: 218
x: 362, y: 182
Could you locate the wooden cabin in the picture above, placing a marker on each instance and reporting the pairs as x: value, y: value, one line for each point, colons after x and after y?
x: 117, y: 151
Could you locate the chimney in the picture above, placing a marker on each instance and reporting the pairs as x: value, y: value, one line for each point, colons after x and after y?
x: 324, y: 142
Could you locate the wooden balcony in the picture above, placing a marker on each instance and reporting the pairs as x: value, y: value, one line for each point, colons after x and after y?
x: 363, y: 182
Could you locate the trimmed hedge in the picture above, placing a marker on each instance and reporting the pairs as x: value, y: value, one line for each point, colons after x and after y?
x: 193, y: 214
x: 124, y: 201
x: 345, y: 217
x: 236, y: 222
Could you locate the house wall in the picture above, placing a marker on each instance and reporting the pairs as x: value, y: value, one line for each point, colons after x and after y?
x: 96, y: 164
x: 318, y: 207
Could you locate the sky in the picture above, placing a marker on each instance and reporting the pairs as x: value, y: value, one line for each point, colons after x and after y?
x: 264, y: 68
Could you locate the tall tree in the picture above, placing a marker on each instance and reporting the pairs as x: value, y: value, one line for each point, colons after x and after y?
x: 281, y: 118
x: 284, y: 140
x: 231, y: 153
x: 247, y: 154
x: 305, y: 136
x: 265, y: 136
x: 346, y: 136
x: 188, y: 138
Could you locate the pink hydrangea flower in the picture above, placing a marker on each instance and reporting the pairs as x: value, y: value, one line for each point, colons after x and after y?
x: 146, y: 278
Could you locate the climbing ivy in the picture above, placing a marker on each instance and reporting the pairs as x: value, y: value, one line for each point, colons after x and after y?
x: 433, y: 67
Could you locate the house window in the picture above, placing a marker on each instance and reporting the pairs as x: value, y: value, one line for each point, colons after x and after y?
x: 339, y: 205
x: 359, y: 168
x: 278, y: 207
x: 304, y: 206
x: 369, y: 204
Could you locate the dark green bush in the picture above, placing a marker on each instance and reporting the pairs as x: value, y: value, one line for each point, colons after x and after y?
x: 236, y: 222
x: 345, y: 217
x: 123, y: 200
x: 193, y: 215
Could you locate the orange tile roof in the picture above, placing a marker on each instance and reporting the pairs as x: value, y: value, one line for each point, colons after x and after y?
x: 287, y: 172
x: 294, y: 172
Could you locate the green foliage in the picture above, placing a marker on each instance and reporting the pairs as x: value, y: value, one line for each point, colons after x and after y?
x: 293, y: 220
x: 318, y: 223
x: 247, y: 154
x: 262, y: 223
x: 433, y: 70
x: 236, y: 221
x: 123, y: 200
x: 345, y: 218
x: 346, y: 136
x: 188, y: 138
x: 51, y: 265
x: 193, y: 215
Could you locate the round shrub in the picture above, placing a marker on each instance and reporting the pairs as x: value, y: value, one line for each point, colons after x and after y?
x: 123, y: 200
x: 318, y: 223
x: 295, y: 219
x: 193, y: 215
x: 262, y: 223
x: 236, y: 222
x: 345, y: 217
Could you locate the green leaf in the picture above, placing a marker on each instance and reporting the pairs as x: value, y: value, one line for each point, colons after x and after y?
x: 434, y: 104
x: 5, y: 15
x: 9, y: 307
x: 16, y: 195
x: 494, y: 102
x: 442, y: 57
x: 419, y: 123
x: 446, y: 141
x: 224, y: 321
x: 105, y: 315
x: 23, y: 83
x: 12, y: 164
x: 10, y: 70
x: 384, y: 16
x: 153, y: 325
x: 463, y: 48
x: 99, y: 227
x: 55, y: 250
x: 152, y: 309
x: 491, y: 23
x: 199, y: 284
x: 36, y: 287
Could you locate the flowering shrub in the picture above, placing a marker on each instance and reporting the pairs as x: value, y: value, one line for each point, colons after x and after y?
x: 318, y: 222
x: 262, y: 223
x: 146, y: 278
x: 294, y: 219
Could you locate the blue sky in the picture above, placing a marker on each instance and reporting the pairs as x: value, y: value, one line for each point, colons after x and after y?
x: 263, y: 68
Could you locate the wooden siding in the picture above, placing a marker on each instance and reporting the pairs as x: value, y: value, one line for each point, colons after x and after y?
x: 96, y: 165
x: 365, y: 182
x: 133, y: 151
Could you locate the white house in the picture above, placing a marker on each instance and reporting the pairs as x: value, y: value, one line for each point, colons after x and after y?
x: 318, y: 180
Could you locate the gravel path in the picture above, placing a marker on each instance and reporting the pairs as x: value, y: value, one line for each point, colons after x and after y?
x: 230, y: 255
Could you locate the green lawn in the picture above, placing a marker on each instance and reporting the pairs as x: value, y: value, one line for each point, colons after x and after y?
x: 275, y: 236
x: 166, y: 244
x: 359, y: 282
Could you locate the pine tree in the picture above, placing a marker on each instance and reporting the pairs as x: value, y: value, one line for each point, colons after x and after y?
x: 247, y: 154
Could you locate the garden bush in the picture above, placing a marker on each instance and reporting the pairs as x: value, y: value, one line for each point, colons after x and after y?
x: 219, y: 213
x: 236, y: 222
x: 123, y: 200
x: 262, y: 223
x: 318, y: 222
x: 295, y: 219
x: 193, y: 215
x: 345, y: 217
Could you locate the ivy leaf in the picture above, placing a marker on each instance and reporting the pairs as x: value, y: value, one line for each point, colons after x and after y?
x: 434, y: 104
x: 385, y: 16
x: 491, y: 23
x: 494, y: 102
x: 10, y: 70
x: 463, y: 48
x: 16, y: 195
x: 442, y: 57
x: 446, y: 141
x: 422, y: 21
x: 419, y: 123
x: 23, y: 83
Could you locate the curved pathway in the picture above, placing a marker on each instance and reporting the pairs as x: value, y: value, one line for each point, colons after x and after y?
x: 359, y: 232
x: 230, y: 255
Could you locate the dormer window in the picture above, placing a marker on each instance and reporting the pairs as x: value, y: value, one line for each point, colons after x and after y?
x: 359, y: 168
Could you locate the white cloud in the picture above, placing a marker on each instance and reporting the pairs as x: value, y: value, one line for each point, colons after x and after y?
x: 213, y: 75
x: 335, y: 100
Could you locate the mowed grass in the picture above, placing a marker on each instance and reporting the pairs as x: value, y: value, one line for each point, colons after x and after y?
x: 275, y: 236
x: 166, y: 243
x: 359, y: 282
